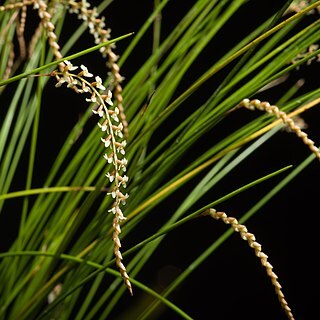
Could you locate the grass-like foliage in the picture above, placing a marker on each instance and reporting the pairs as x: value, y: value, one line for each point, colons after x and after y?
x: 86, y: 221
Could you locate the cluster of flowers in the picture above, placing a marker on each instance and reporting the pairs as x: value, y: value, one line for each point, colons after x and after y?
x: 298, y: 5
x: 251, y: 239
x: 95, y: 24
x: 47, y: 24
x: 113, y: 142
x: 17, y: 5
x: 97, y: 27
x: 272, y: 109
x: 110, y: 125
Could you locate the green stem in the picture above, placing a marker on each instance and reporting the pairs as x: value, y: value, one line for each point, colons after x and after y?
x: 30, y: 192
x: 33, y: 147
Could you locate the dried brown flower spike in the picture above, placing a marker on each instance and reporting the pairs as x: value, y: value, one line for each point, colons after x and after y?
x: 97, y: 28
x: 251, y: 239
x: 265, y: 106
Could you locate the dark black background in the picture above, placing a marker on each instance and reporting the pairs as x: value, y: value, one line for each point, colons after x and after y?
x: 231, y: 284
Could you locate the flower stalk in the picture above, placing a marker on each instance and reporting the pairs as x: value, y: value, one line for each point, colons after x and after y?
x: 251, y: 239
x: 113, y: 141
x: 272, y: 109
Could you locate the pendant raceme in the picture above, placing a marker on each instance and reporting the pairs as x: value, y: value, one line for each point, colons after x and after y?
x: 113, y: 141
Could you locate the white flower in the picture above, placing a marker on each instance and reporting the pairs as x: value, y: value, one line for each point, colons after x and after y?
x: 106, y: 141
x: 108, y: 101
x: 120, y: 215
x: 123, y: 180
x: 100, y: 111
x: 92, y: 99
x: 85, y: 5
x: 109, y: 157
x: 123, y: 198
x: 113, y: 194
x: 120, y: 146
x: 115, y: 117
x: 69, y: 66
x: 113, y: 210
x: 99, y: 84
x: 85, y: 71
x: 110, y: 177
x: 60, y: 82
x: 118, y: 130
x: 103, y: 126
x: 72, y: 82
x: 85, y: 88
x: 122, y: 163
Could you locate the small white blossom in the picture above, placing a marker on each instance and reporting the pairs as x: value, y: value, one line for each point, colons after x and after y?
x: 110, y: 177
x: 118, y: 130
x: 123, y: 164
x: 85, y: 71
x: 85, y: 88
x: 115, y: 117
x: 60, y: 82
x: 85, y: 4
x: 108, y: 101
x: 120, y: 195
x: 72, y: 82
x: 103, y: 126
x: 120, y: 146
x: 113, y: 194
x: 100, y: 111
x: 106, y: 141
x: 124, y: 198
x: 113, y: 210
x: 109, y: 157
x: 123, y: 180
x: 69, y: 66
x: 120, y: 214
x: 92, y: 99
x: 99, y: 84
